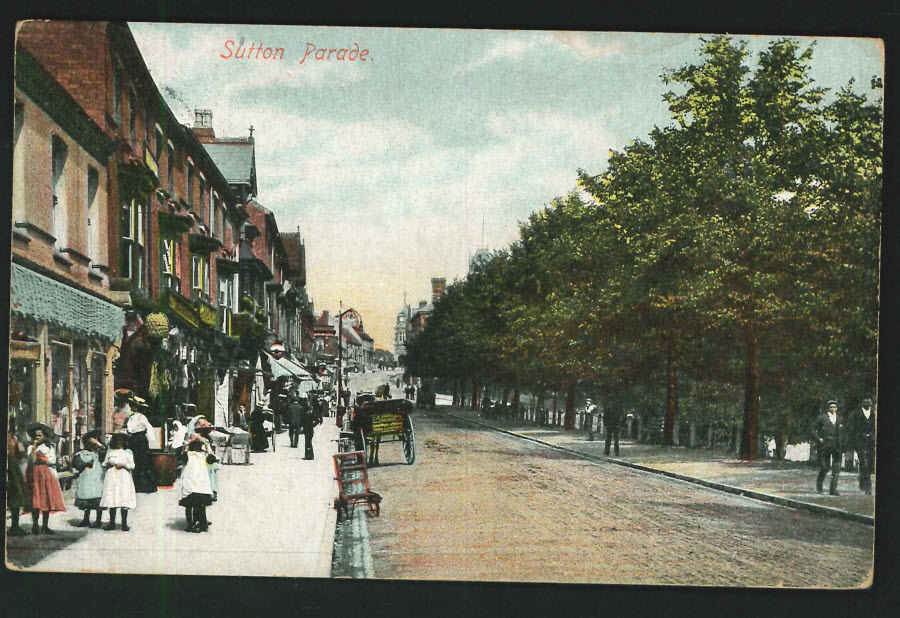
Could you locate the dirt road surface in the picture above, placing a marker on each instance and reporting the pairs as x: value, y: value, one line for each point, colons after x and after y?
x: 483, y: 506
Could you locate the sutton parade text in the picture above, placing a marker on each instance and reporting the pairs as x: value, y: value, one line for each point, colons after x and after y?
x: 240, y: 51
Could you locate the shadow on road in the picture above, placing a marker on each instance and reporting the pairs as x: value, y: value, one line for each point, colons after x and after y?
x: 26, y: 551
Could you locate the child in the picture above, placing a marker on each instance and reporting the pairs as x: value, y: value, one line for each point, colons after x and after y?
x: 196, y: 492
x: 118, y: 486
x: 15, y: 481
x: 44, y: 493
x: 89, y: 484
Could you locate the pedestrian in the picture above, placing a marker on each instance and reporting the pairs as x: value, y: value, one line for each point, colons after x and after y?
x: 123, y: 409
x: 297, y: 412
x: 118, y: 485
x: 139, y: 432
x: 43, y: 493
x: 204, y: 431
x: 590, y: 411
x: 16, y: 497
x: 240, y: 417
x: 259, y: 442
x: 309, y: 424
x: 345, y: 395
x: 89, y: 482
x: 861, y: 437
x: 827, y: 431
x: 612, y: 419
x: 387, y: 389
x: 196, y: 491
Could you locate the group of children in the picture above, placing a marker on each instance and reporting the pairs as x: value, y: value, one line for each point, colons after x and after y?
x: 102, y: 482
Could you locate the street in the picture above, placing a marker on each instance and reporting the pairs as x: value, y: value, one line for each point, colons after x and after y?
x: 479, y: 505
x: 255, y: 530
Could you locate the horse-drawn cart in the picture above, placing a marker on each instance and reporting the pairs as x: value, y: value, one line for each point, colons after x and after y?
x: 380, y: 421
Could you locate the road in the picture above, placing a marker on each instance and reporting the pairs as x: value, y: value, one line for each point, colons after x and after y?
x: 479, y: 505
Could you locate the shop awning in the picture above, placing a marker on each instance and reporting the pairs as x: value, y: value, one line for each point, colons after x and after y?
x: 43, y: 299
x: 282, y: 367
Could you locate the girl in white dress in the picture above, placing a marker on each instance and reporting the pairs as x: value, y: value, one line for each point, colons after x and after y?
x: 118, y: 486
x: 196, y: 490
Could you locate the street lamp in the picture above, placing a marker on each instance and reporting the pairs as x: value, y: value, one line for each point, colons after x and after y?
x: 340, y: 385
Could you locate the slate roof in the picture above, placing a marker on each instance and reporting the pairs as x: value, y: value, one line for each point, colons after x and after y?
x: 234, y: 160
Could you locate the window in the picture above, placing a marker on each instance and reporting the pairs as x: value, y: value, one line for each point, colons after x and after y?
x: 117, y: 92
x: 93, y: 222
x: 59, y: 153
x: 213, y: 210
x: 98, y: 391
x: 131, y: 250
x: 226, y: 301
x: 199, y: 278
x: 170, y: 170
x: 170, y: 264
x: 132, y: 116
x: 60, y: 419
x: 159, y: 143
x: 220, y: 214
x: 189, y: 172
x: 202, y: 202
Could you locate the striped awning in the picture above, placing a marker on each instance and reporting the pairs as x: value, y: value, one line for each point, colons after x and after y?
x: 41, y: 298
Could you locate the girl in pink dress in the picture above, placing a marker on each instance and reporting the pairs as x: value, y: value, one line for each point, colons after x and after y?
x: 43, y: 491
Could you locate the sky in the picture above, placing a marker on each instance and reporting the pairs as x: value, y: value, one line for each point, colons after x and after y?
x: 396, y: 169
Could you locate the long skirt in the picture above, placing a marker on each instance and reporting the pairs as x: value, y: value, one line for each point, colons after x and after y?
x: 44, y: 493
x: 196, y: 499
x: 144, y: 470
x: 15, y: 485
x: 118, y: 490
x: 258, y: 440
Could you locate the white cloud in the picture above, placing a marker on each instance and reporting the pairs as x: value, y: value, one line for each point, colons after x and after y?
x: 580, y: 44
x: 504, y: 49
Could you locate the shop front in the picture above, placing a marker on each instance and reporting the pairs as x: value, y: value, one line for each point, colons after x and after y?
x: 62, y: 345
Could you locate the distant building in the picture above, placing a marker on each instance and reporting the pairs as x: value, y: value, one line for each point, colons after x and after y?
x: 481, y: 257
x: 419, y: 316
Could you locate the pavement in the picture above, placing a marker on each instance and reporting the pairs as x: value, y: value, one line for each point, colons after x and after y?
x: 783, y: 482
x: 273, y: 518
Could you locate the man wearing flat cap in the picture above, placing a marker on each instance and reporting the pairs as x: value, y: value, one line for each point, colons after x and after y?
x: 827, y: 432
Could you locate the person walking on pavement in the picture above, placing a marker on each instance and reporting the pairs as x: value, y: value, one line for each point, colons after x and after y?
x: 861, y: 437
x: 827, y: 431
x: 309, y: 424
x: 259, y: 442
x: 139, y: 431
x: 298, y: 410
x: 612, y: 419
x: 590, y: 411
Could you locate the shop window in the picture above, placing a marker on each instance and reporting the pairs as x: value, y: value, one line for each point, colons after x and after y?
x: 22, y: 393
x: 60, y: 418
x: 98, y: 392
x: 80, y: 412
x: 59, y: 153
x: 131, y: 250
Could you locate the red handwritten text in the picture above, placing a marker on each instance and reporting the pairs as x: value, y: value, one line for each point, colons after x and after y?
x: 344, y: 54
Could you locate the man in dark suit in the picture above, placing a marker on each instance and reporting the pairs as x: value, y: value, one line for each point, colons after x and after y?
x: 827, y: 431
x: 312, y: 418
x: 861, y: 437
x: 297, y: 413
x: 612, y: 419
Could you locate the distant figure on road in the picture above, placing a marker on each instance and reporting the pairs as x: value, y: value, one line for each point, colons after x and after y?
x: 827, y: 431
x: 590, y: 411
x: 259, y: 443
x: 861, y: 437
x: 240, y: 418
x: 612, y: 418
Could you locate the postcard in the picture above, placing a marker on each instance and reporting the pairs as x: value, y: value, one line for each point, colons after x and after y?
x: 478, y: 305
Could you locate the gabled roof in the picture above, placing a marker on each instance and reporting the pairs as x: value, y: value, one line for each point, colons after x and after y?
x: 235, y: 159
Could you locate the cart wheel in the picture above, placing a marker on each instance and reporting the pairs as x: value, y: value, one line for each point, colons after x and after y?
x: 409, y: 442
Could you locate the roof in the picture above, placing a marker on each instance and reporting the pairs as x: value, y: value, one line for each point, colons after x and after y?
x: 429, y: 308
x: 234, y: 159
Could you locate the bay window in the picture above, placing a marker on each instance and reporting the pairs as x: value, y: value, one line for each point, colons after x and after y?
x: 199, y: 277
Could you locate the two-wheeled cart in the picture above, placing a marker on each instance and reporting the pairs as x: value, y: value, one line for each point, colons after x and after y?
x: 380, y: 421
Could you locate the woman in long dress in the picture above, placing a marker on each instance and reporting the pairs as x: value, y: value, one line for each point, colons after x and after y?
x: 139, y: 429
x: 258, y: 440
x: 118, y: 486
x: 44, y: 494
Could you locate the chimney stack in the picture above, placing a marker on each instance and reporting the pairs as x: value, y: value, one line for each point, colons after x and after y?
x: 203, y: 128
x: 437, y: 288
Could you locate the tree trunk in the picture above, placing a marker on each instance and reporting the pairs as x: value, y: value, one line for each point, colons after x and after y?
x: 554, y: 409
x: 750, y: 432
x: 570, y: 406
x: 474, y: 394
x: 671, y: 394
x: 516, y: 397
x: 781, y: 437
x: 505, y: 396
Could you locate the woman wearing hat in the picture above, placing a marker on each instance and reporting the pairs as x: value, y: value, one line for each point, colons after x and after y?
x: 43, y: 492
x: 15, y: 481
x: 139, y: 429
x: 89, y: 483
